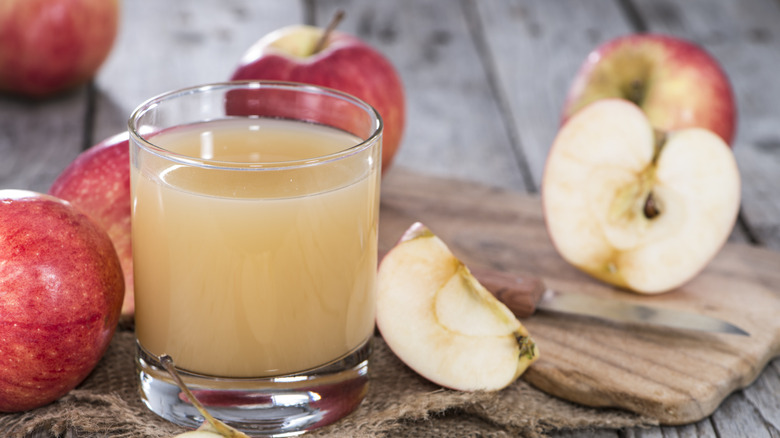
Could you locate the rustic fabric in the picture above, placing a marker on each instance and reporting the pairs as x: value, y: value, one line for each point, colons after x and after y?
x: 400, y: 403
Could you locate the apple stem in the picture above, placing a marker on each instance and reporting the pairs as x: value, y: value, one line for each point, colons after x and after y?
x: 651, y: 209
x: 636, y: 92
x: 334, y: 22
x: 660, y: 141
x: 218, y: 426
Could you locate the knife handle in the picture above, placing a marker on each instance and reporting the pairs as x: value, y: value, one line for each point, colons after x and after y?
x: 520, y: 293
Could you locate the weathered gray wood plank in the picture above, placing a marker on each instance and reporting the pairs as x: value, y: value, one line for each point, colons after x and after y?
x: 755, y: 412
x: 736, y: 417
x: 743, y: 36
x: 764, y: 395
x: 536, y: 48
x: 39, y: 138
x: 454, y: 125
x: 165, y: 45
x: 701, y: 429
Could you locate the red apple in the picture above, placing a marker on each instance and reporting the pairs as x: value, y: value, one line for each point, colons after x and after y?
x: 675, y: 82
x: 98, y: 183
x: 345, y: 63
x: 49, y: 46
x: 61, y: 292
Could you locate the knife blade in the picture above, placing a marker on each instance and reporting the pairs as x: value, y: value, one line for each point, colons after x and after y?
x: 524, y: 295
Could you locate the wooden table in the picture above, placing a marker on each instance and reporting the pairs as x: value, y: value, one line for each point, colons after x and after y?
x: 485, y: 83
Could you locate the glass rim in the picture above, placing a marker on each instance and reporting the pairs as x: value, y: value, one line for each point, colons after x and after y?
x: 188, y: 160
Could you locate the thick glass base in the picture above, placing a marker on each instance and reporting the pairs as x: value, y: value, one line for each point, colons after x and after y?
x: 277, y: 406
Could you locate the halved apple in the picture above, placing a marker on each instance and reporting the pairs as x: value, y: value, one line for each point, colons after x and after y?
x: 634, y: 207
x: 442, y: 323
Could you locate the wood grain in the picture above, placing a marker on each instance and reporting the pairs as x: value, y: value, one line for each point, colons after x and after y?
x: 454, y: 126
x: 536, y: 49
x: 38, y: 139
x: 166, y: 45
x: 675, y: 376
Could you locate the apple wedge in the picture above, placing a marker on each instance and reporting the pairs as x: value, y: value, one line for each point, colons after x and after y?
x: 634, y: 207
x: 442, y: 323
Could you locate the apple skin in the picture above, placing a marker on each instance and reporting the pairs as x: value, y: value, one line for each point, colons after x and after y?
x: 346, y: 64
x: 682, y: 85
x: 61, y: 291
x: 98, y: 183
x: 49, y: 46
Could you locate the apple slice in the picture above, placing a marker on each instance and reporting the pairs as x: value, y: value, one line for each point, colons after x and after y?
x: 442, y: 323
x: 635, y: 207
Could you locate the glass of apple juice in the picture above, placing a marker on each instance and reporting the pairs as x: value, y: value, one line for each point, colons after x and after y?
x: 254, y: 226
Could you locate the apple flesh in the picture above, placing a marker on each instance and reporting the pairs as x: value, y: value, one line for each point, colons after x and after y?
x: 636, y: 208
x: 442, y: 323
x: 345, y: 63
x: 49, y: 46
x: 98, y: 183
x: 675, y: 82
x: 61, y: 291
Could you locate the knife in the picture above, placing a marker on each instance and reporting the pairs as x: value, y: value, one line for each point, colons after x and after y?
x: 524, y: 295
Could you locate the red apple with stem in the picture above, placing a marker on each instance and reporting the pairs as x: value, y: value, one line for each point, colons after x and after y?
x: 49, y: 46
x: 98, y: 182
x: 61, y: 291
x: 674, y: 81
x: 333, y: 59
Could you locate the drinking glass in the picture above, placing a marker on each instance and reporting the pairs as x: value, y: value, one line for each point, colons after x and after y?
x: 254, y: 231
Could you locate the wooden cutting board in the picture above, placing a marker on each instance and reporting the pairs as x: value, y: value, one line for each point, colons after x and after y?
x: 675, y: 376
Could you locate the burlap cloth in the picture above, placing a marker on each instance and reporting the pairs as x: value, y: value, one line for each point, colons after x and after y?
x: 400, y: 403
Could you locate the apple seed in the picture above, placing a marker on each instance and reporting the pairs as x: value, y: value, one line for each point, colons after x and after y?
x: 651, y: 208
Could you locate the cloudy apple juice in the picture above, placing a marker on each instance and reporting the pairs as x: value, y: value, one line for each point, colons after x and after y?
x: 256, y: 263
x: 254, y: 231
